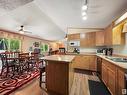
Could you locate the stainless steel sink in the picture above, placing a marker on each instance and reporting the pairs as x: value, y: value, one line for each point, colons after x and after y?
x: 117, y: 59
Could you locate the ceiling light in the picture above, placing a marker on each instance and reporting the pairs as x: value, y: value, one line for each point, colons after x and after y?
x: 84, y: 18
x: 83, y: 13
x: 84, y: 7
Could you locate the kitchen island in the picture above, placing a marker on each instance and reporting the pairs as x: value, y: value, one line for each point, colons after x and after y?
x: 59, y: 73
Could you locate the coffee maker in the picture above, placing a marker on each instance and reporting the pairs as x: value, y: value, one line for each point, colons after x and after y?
x: 108, y: 51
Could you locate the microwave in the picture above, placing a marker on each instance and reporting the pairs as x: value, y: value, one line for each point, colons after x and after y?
x: 74, y: 43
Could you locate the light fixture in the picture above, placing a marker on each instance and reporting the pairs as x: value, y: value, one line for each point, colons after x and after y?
x: 84, y: 13
x: 84, y: 7
x: 84, y: 10
x: 84, y: 17
x: 66, y: 37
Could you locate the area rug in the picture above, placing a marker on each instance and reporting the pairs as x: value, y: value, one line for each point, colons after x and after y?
x: 8, y: 85
x: 97, y: 88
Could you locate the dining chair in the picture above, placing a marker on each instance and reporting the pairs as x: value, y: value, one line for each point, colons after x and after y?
x: 23, y: 61
x: 33, y: 61
x: 7, y: 63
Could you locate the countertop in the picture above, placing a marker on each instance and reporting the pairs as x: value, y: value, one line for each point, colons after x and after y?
x: 60, y: 58
x: 81, y: 53
x: 120, y: 64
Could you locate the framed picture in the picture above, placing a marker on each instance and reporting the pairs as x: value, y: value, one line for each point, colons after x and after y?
x: 36, y: 44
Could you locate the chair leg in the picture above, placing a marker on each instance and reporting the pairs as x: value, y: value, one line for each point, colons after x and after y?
x: 7, y: 71
x: 1, y: 71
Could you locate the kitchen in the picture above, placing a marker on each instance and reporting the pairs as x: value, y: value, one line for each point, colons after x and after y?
x: 65, y: 47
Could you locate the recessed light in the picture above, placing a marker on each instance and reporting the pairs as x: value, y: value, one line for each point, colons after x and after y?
x: 84, y: 13
x: 84, y: 7
x: 84, y: 18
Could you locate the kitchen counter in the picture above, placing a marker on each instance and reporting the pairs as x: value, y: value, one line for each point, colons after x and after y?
x: 81, y: 53
x: 59, y: 67
x: 62, y: 58
x: 120, y: 64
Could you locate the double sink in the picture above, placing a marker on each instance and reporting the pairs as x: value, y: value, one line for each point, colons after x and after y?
x: 117, y: 59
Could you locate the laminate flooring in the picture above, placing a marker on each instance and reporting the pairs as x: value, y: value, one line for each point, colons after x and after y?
x: 79, y: 87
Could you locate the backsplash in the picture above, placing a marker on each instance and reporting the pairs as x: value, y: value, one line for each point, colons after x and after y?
x: 121, y: 49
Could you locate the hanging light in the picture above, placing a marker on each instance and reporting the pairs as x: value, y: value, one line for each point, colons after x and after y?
x: 84, y: 7
x: 84, y: 17
x: 66, y: 37
x: 84, y: 13
x: 84, y: 10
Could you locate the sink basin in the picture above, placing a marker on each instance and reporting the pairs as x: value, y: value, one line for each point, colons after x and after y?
x: 117, y: 59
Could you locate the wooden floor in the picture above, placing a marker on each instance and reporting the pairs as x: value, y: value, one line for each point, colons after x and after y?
x: 80, y: 86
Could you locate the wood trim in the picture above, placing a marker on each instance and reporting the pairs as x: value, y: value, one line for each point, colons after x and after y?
x: 4, y: 30
x: 84, y: 28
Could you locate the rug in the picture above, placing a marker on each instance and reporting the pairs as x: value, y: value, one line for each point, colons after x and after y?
x: 97, y: 88
x: 8, y: 85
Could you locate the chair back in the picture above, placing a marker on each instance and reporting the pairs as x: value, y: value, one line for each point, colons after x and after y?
x: 62, y: 51
x: 3, y: 57
x: 23, y: 55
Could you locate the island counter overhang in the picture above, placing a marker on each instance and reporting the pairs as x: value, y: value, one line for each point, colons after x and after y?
x: 59, y: 73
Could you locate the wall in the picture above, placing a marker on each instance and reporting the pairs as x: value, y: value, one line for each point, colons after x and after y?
x: 26, y: 41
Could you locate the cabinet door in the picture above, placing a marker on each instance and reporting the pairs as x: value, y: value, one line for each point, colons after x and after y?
x: 104, y: 73
x: 120, y: 81
x: 92, y: 39
x: 118, y: 36
x: 73, y: 36
x: 88, y: 40
x: 100, y: 38
x: 92, y: 63
x: 108, y: 35
x: 84, y: 42
x: 112, y: 81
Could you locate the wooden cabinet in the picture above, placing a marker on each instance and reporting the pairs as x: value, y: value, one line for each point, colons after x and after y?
x: 59, y: 77
x: 100, y: 38
x: 120, y: 81
x: 85, y: 62
x: 117, y: 35
x: 114, y: 36
x: 88, y: 40
x: 113, y: 77
x: 73, y: 37
x: 111, y: 80
x: 109, y: 76
x: 104, y: 73
x: 92, y: 63
x: 108, y: 35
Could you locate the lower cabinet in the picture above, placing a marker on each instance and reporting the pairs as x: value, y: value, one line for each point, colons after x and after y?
x: 111, y: 81
x: 113, y: 77
x: 87, y: 62
x: 120, y: 81
x: 104, y: 74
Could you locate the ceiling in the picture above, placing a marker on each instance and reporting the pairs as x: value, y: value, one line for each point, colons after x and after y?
x: 50, y: 19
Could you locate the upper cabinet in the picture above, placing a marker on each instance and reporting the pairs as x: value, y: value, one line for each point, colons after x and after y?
x: 100, y: 38
x: 114, y: 35
x: 108, y: 35
x: 88, y: 40
x: 73, y: 37
x: 117, y: 35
